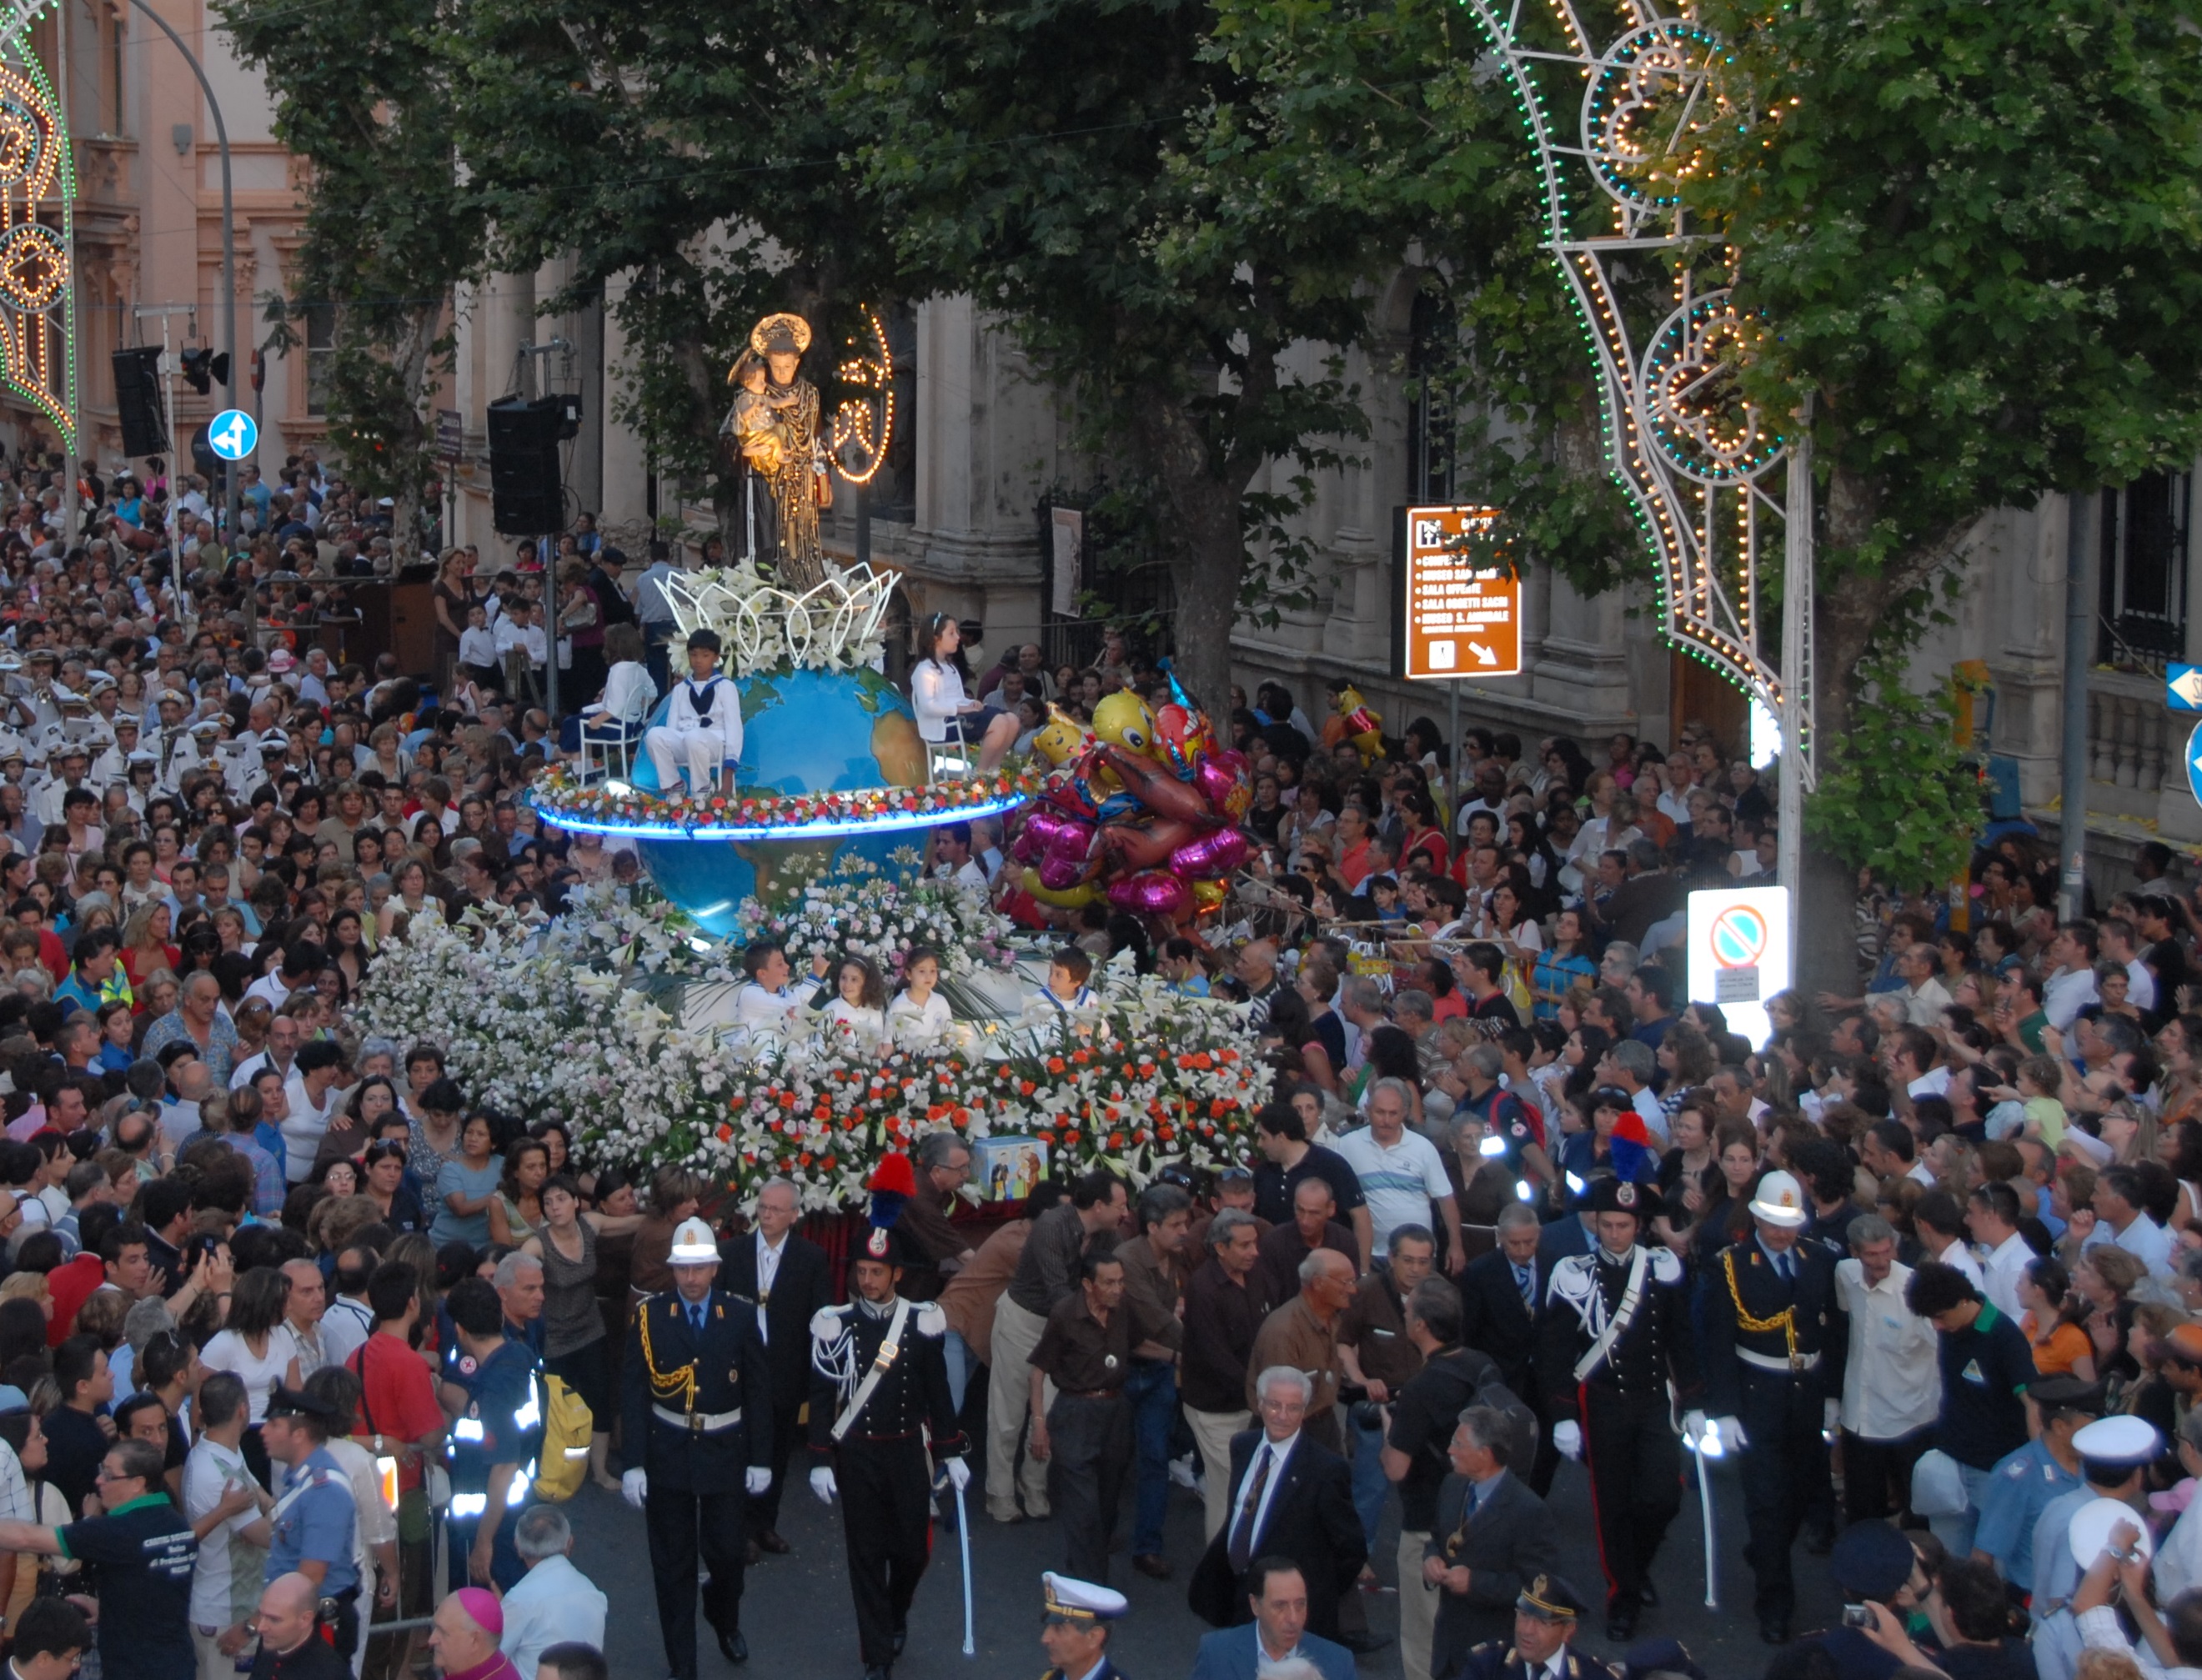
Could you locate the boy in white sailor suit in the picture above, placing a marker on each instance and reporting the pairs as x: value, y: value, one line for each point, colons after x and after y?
x: 880, y: 1412
x: 1066, y: 992
x: 703, y: 727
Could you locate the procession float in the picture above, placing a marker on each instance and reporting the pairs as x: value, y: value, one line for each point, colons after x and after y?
x: 618, y: 1016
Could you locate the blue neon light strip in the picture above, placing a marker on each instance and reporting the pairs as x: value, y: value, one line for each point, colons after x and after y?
x: 783, y: 831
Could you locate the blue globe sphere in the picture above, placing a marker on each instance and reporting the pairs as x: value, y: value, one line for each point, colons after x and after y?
x: 802, y: 732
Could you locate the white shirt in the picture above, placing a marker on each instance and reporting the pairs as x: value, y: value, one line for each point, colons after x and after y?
x: 767, y: 1269
x: 1398, y: 1183
x: 845, y: 1022
x: 532, y: 639
x: 913, y: 1023
x: 1892, y: 1381
x: 2140, y: 989
x: 936, y: 694
x: 2144, y: 1240
x: 270, y: 989
x: 302, y: 1128
x: 628, y: 693
x: 1924, y: 1006
x: 209, y: 1473
x: 554, y: 1602
x: 725, y: 718
x: 477, y: 647
x: 1999, y: 1274
x: 1280, y: 1451
x: 757, y: 1009
x: 1934, y: 1082
x: 2065, y: 994
x: 1957, y: 1254
x: 345, y: 1330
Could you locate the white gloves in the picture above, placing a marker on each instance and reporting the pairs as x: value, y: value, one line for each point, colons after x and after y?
x: 635, y: 1486
x: 756, y: 1478
x: 1567, y: 1437
x: 959, y: 1473
x: 821, y: 1483
x: 1693, y: 1425
x: 1831, y: 1414
x: 1731, y: 1434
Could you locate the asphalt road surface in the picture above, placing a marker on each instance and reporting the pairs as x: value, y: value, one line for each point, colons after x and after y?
x: 796, y: 1609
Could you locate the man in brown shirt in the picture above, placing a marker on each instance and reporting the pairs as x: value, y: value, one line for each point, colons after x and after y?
x: 1303, y: 1334
x: 1225, y: 1304
x: 1234, y: 1187
x: 970, y: 1297
x: 1314, y: 1224
x: 936, y: 1247
x: 1378, y: 1357
x: 1155, y: 1272
x: 1085, y: 1437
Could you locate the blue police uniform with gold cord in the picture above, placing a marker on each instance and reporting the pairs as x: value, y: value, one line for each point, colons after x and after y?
x: 1615, y: 1355
x: 1775, y: 1342
x: 880, y: 1412
x: 692, y: 1371
x: 1550, y: 1600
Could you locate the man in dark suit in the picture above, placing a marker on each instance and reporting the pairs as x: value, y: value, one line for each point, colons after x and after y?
x: 1289, y: 1497
x: 1277, y: 1593
x: 697, y: 1446
x: 1498, y: 1293
x: 1492, y: 1537
x: 786, y: 1276
x: 1775, y: 1340
x: 1570, y: 1234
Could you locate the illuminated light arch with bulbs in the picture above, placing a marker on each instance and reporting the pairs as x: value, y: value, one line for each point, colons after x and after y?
x: 864, y: 422
x: 38, y: 195
x: 1616, y: 101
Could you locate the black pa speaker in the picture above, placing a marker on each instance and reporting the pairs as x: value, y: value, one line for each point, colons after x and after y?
x: 137, y: 395
x: 526, y: 496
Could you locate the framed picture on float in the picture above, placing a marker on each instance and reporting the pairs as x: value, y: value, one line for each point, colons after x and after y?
x: 1005, y: 1169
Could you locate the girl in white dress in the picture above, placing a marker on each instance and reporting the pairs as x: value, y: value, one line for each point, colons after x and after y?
x: 857, y: 1009
x: 920, y: 1014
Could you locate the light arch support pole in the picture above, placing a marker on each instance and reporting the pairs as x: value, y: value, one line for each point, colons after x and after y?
x: 1615, y: 103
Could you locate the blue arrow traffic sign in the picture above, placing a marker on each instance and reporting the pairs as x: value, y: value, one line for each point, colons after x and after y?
x: 2194, y: 761
x: 233, y: 436
x: 2182, y: 687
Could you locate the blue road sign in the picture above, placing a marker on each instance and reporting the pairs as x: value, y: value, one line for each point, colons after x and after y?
x: 2194, y: 761
x: 2182, y: 687
x: 233, y: 436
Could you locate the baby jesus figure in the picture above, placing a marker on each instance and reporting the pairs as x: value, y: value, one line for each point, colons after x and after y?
x: 759, y: 437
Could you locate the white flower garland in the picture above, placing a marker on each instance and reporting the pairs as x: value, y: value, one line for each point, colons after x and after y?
x: 559, y: 1020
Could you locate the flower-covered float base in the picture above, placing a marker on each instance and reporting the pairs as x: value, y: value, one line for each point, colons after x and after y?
x: 582, y: 1020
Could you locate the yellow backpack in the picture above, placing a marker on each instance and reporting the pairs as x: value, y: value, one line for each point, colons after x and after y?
x: 566, y: 1423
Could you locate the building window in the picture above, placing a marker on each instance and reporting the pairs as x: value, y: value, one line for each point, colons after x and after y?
x: 321, y: 354
x: 117, y: 39
x: 2144, y: 572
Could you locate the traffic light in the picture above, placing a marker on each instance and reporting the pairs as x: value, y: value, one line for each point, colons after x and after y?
x: 203, y: 368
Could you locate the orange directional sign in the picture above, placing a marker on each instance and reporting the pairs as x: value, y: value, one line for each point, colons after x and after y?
x: 1463, y: 603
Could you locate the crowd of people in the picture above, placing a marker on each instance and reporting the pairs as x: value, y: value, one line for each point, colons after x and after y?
x: 289, y: 1321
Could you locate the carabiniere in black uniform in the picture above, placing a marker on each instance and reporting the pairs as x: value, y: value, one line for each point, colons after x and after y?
x: 878, y: 1447
x: 687, y: 1422
x: 1615, y: 1355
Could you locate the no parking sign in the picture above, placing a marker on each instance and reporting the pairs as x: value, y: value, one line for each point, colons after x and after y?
x: 1739, y: 952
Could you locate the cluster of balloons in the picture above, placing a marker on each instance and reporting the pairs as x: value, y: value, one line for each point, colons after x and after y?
x: 1142, y: 809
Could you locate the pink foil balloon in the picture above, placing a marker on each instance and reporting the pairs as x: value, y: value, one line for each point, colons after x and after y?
x: 1151, y: 892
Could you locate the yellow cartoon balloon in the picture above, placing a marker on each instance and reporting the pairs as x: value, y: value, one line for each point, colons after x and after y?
x: 1124, y: 719
x: 1062, y: 739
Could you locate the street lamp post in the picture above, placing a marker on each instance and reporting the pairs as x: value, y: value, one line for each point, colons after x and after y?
x: 228, y: 246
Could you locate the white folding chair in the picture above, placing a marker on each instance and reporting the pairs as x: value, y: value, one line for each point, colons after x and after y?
x: 949, y: 760
x: 615, y: 736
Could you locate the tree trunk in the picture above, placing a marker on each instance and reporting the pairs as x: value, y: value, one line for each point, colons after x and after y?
x: 1207, y: 550
x: 413, y: 434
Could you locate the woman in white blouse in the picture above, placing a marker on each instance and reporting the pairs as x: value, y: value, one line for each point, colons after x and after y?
x: 858, y: 1007
x: 629, y: 692
x: 937, y: 695
x: 920, y: 1014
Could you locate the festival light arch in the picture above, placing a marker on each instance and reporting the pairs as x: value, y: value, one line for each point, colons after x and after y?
x: 1617, y: 100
